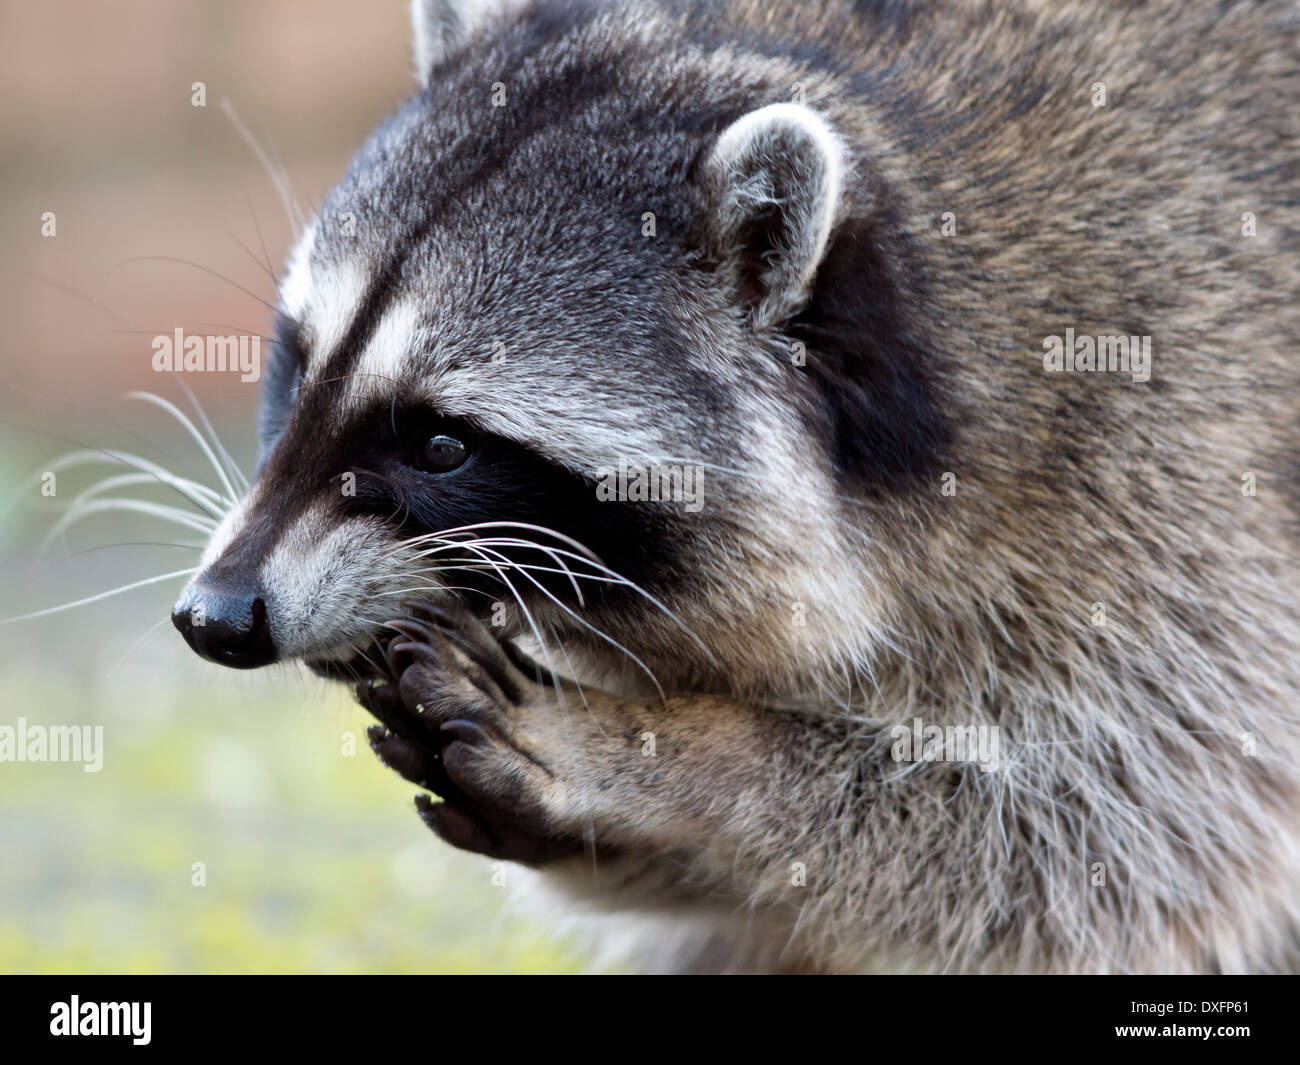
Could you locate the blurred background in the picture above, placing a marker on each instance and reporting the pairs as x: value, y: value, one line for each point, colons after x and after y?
x: 312, y: 857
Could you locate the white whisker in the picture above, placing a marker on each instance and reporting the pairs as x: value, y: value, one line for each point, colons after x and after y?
x: 577, y: 545
x: 138, y: 506
x: 512, y: 542
x: 231, y: 465
x: 563, y: 606
x: 180, y: 416
x: 200, y: 495
x: 613, y: 576
x: 79, y: 507
x: 132, y: 649
x: 279, y: 179
x: 101, y: 595
x: 528, y: 616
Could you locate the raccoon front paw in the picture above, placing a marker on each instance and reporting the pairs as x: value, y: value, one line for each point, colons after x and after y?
x: 451, y: 724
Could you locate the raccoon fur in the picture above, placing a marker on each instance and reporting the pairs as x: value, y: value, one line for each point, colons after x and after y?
x: 863, y: 271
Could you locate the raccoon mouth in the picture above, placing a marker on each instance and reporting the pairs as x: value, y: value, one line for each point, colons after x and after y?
x: 361, y: 660
x: 348, y: 670
x: 366, y: 657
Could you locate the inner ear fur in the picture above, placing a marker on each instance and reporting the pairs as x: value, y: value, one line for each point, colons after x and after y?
x: 805, y: 265
x: 443, y: 27
x: 774, y: 185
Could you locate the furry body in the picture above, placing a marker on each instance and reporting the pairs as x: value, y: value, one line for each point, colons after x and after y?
x: 917, y: 520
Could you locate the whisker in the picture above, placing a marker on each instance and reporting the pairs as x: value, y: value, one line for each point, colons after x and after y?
x: 190, y: 490
x: 132, y: 649
x: 90, y: 300
x: 203, y: 497
x: 573, y: 675
x: 589, y: 822
x: 189, y: 427
x: 257, y: 227
x: 279, y: 179
x: 102, y: 595
x: 577, y: 590
x: 94, y: 410
x: 588, y: 626
x: 231, y: 465
x: 197, y: 266
x: 368, y: 660
x: 129, y: 543
x: 249, y: 252
x: 511, y: 542
x: 523, y: 570
x: 35, y: 576
x: 79, y: 507
x: 431, y: 585
x: 613, y: 577
x: 575, y: 544
x: 523, y: 607
x: 137, y: 506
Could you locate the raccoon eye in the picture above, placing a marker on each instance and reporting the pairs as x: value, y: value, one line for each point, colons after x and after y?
x: 442, y: 454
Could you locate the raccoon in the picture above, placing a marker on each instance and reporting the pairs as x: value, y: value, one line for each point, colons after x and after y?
x: 975, y: 325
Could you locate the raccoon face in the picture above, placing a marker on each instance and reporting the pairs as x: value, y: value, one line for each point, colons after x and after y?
x: 539, y: 352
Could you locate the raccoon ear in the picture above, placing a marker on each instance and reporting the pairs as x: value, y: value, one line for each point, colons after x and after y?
x: 443, y: 26
x: 774, y: 184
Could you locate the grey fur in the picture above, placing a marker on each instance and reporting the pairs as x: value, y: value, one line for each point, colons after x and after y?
x: 772, y: 827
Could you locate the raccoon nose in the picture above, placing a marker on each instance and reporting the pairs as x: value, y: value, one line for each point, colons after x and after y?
x: 226, y: 625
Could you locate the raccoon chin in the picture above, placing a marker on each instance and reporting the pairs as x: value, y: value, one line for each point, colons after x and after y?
x: 347, y: 670
x: 367, y: 658
x: 362, y: 659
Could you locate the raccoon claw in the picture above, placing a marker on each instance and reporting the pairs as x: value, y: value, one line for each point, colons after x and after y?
x: 503, y: 664
x: 455, y: 824
x: 408, y: 759
x: 383, y: 702
x: 449, y: 724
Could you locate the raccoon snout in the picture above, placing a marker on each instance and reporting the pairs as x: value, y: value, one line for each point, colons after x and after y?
x: 225, y: 624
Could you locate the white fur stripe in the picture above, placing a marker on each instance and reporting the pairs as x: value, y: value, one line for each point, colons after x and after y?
x: 388, y: 351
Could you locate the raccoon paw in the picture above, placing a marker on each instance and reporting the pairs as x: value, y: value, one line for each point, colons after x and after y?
x: 450, y: 723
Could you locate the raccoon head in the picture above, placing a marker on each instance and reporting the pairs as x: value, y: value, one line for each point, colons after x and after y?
x: 595, y: 336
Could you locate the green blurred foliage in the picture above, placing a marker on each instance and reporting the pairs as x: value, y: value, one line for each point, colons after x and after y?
x: 314, y: 859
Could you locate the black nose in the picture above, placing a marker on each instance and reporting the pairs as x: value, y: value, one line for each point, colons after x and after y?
x: 225, y: 625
